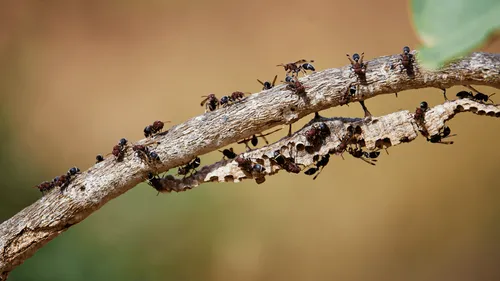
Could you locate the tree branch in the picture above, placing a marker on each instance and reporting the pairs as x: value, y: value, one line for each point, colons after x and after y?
x: 374, y: 134
x: 36, y: 225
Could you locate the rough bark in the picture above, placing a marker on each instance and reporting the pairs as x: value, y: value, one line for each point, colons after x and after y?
x: 23, y: 234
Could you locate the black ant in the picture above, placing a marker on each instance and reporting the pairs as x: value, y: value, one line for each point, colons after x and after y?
x: 224, y: 101
x: 99, y: 158
x: 365, y: 156
x: 319, y: 166
x: 438, y: 138
x: 254, y: 140
x: 296, y: 67
x: 228, y: 153
x: 212, y: 103
x: 189, y: 168
x: 267, y: 85
x: 480, y: 97
x: 357, y: 65
x: 158, y: 182
x: 317, y: 134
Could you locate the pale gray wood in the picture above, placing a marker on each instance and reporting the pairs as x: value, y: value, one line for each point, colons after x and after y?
x: 27, y: 231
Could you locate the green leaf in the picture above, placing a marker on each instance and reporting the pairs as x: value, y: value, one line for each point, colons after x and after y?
x: 451, y: 28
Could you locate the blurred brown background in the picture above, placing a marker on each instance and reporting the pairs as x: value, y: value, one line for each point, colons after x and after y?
x: 76, y: 76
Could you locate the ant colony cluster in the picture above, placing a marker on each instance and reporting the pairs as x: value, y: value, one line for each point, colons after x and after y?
x: 316, y: 136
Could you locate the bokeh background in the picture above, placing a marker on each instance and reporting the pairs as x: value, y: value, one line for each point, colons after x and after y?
x: 77, y: 75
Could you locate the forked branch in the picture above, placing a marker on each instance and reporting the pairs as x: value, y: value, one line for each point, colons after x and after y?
x: 23, y: 234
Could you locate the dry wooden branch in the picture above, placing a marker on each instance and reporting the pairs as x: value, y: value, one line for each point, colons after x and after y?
x: 375, y: 133
x: 33, y: 227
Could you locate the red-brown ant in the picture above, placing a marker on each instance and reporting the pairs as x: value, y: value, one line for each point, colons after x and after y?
x: 296, y: 67
x: 212, y: 103
x: 406, y: 60
x: 420, y: 112
x: 63, y: 180
x: 296, y: 87
x: 267, y: 85
x: 157, y: 127
x: 119, y: 149
x: 45, y: 187
x: 344, y: 142
x: 317, y: 134
x: 357, y: 65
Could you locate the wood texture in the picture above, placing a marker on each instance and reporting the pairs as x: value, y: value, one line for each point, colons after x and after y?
x: 26, y: 232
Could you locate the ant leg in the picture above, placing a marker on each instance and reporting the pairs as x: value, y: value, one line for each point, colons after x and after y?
x: 349, y: 58
x: 444, y: 94
x: 290, y: 130
x: 365, y: 109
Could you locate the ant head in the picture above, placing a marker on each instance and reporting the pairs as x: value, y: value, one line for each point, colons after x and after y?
x: 148, y: 130
x: 267, y: 85
x: 99, y: 157
x: 289, y: 79
x: 150, y: 176
x: 211, y: 96
x: 352, y: 90
x: 73, y: 171
x: 154, y: 155
x: 224, y: 99
x: 277, y: 153
x: 258, y: 168
x: 355, y: 57
x: 323, y: 127
x: 406, y: 49
x: 123, y: 141
x: 424, y: 105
